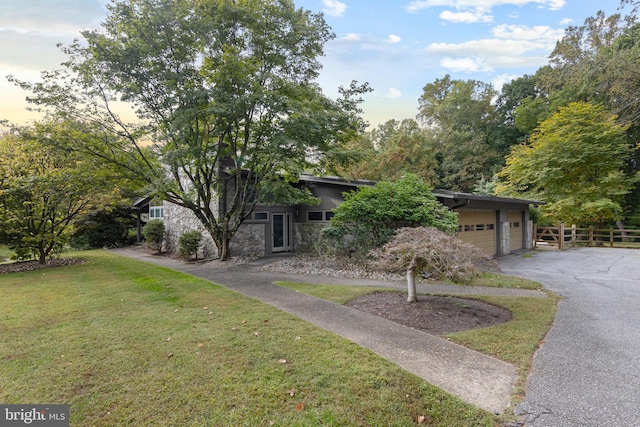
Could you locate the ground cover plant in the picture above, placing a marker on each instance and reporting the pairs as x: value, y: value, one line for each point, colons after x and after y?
x: 128, y: 343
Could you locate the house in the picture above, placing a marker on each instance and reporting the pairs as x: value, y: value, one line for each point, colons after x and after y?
x: 497, y: 225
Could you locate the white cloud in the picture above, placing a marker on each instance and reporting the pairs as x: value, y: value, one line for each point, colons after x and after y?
x: 468, y: 17
x: 511, y: 46
x: 502, y: 79
x: 393, y: 39
x: 539, y: 33
x: 468, y: 64
x: 51, y: 18
x: 566, y: 21
x: 352, y: 37
x: 486, y: 47
x: 334, y: 7
x: 418, y: 5
x: 392, y: 93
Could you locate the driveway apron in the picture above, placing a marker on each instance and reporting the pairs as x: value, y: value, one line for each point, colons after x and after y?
x: 587, y: 373
x: 474, y: 377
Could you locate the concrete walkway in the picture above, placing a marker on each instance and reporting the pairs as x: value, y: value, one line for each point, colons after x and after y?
x: 474, y: 377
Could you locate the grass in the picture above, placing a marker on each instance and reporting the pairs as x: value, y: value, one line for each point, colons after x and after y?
x: 503, y: 281
x: 127, y: 343
x: 5, y: 253
x: 515, y: 341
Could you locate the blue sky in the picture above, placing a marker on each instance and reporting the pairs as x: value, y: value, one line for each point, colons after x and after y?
x: 398, y: 46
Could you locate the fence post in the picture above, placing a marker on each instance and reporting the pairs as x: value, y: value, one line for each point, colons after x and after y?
x: 561, y: 236
x: 590, y: 235
x: 611, y: 236
x: 573, y: 234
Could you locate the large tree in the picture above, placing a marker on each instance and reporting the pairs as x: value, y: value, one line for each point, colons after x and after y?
x: 225, y: 94
x: 461, y: 116
x: 45, y: 188
x: 574, y: 161
x: 392, y: 150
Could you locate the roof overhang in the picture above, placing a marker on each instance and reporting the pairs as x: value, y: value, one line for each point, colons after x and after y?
x: 465, y: 198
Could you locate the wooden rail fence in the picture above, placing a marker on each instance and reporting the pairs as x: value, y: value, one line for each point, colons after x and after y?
x: 560, y: 237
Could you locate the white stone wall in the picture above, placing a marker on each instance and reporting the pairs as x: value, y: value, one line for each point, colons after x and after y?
x: 249, y: 241
x: 177, y: 221
x: 504, y: 244
x: 528, y: 241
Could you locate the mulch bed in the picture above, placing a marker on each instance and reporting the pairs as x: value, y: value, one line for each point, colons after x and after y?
x: 435, y: 315
x: 16, y: 267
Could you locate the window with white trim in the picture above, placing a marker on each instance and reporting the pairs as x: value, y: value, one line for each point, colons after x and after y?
x: 156, y: 212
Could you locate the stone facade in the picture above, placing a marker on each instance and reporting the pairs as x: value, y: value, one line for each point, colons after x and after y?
x: 177, y: 221
x: 249, y: 241
x: 308, y: 237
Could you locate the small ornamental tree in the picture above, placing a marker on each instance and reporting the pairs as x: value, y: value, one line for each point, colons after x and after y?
x: 153, y: 233
x: 189, y: 244
x: 369, y: 216
x: 414, y: 250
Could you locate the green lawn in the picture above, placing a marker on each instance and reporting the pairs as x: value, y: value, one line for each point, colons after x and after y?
x: 515, y: 341
x: 131, y: 344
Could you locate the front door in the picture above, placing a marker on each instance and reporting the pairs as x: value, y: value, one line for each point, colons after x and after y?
x: 281, y: 239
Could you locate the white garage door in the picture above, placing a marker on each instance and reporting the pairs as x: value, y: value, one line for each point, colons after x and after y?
x: 479, y: 229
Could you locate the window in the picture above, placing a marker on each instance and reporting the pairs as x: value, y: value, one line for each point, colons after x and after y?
x: 480, y: 227
x: 468, y: 228
x: 156, y: 212
x: 261, y: 216
x: 328, y: 216
x: 515, y: 224
x: 314, y: 216
x: 459, y: 228
x: 491, y: 226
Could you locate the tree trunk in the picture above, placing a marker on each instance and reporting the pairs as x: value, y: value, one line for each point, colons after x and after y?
x: 411, y: 285
x: 223, y: 251
x: 42, y: 256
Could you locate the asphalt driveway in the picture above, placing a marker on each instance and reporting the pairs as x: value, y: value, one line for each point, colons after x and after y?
x: 587, y: 373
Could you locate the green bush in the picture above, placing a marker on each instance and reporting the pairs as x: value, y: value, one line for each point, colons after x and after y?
x: 189, y: 243
x: 105, y: 228
x: 369, y: 216
x: 153, y: 233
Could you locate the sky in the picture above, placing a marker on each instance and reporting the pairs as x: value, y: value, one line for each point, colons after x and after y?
x: 397, y: 46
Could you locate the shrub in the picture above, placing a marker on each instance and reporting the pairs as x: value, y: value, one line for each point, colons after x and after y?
x: 104, y: 228
x: 189, y: 244
x: 426, y: 249
x: 153, y: 233
x: 369, y: 216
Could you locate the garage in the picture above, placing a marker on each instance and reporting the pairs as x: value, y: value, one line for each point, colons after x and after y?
x: 479, y: 229
x: 515, y: 229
